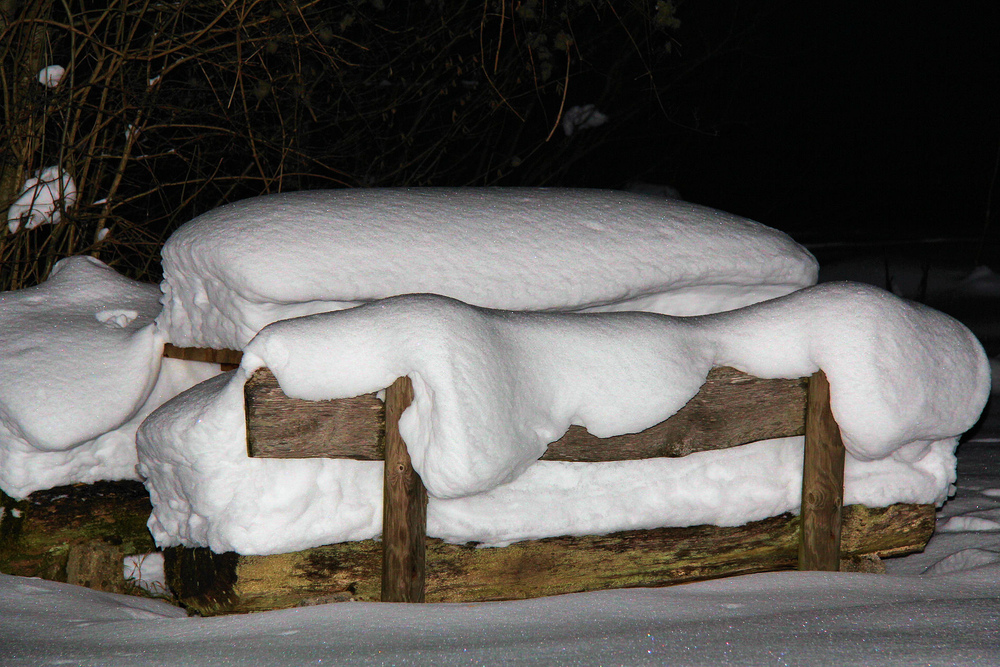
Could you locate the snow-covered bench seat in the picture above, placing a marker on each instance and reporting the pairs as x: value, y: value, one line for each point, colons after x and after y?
x: 492, y: 390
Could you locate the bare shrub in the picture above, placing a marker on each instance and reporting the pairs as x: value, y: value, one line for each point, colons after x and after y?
x: 170, y: 108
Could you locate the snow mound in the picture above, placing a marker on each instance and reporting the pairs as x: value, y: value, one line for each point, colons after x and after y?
x: 963, y: 524
x: 80, y: 363
x: 493, y: 388
x: 231, y: 271
x: 966, y: 559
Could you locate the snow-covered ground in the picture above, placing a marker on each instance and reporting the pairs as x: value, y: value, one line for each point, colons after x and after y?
x: 941, y: 607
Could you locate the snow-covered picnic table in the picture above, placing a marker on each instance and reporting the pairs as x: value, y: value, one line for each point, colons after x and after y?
x: 516, y: 313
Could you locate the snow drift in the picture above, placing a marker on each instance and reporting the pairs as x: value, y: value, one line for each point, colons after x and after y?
x: 81, y: 366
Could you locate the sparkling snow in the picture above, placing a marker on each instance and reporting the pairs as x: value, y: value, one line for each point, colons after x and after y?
x: 940, y: 607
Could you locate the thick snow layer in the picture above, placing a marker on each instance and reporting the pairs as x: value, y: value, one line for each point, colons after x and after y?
x: 806, y: 619
x: 24, y: 468
x: 234, y: 270
x: 80, y: 363
x: 492, y: 388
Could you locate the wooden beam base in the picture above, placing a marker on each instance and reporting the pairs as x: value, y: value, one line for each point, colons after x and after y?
x: 552, y: 566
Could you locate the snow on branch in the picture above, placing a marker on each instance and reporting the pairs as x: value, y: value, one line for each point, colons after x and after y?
x: 43, y: 199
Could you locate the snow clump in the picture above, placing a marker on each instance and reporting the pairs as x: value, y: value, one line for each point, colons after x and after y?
x: 42, y: 200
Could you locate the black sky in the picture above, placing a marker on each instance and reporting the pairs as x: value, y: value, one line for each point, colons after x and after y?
x: 865, y: 122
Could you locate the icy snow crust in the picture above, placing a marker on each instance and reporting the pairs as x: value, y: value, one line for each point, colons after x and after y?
x: 492, y: 388
x: 234, y: 270
x: 81, y: 367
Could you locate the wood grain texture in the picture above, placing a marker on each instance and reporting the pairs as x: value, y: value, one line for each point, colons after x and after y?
x: 282, y: 427
x: 731, y: 409
x: 404, y: 507
x: 822, y: 482
x: 464, y: 573
x: 228, y: 359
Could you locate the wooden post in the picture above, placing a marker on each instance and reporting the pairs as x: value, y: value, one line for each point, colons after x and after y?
x: 404, y: 510
x: 822, y: 482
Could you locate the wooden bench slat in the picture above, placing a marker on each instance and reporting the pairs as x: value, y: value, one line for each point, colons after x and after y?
x: 731, y: 409
x: 279, y: 427
x: 226, y: 358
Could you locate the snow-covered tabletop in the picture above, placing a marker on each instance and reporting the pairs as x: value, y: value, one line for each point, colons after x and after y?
x: 233, y: 270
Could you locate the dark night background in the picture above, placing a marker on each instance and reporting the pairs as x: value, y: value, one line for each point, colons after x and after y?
x: 872, y: 123
x: 858, y: 128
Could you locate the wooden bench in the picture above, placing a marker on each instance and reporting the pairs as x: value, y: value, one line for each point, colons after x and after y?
x: 278, y: 427
x: 731, y: 409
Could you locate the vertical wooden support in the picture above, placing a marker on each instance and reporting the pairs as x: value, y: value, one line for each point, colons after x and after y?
x: 822, y: 482
x: 404, y: 510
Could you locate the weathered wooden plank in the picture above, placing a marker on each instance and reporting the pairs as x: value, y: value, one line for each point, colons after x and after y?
x: 282, y: 427
x: 822, y: 482
x: 404, y: 507
x: 227, y: 358
x: 464, y: 573
x: 731, y: 409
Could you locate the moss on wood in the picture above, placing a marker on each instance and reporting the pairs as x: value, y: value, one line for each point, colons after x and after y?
x: 79, y: 534
x: 551, y: 566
